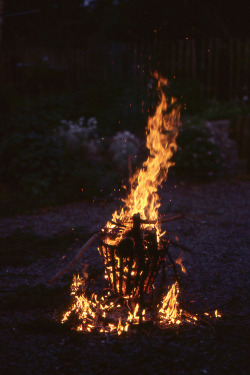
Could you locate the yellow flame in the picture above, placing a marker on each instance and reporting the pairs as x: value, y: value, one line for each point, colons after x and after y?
x: 162, y: 130
x: 179, y: 261
x: 93, y: 311
x: 169, y: 310
x: 217, y: 314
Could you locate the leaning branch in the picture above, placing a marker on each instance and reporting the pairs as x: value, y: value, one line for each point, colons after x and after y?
x: 173, y: 218
x: 180, y: 246
x: 77, y: 257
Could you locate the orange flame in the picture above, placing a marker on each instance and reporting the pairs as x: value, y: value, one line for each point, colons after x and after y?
x: 179, y: 261
x: 169, y: 310
x: 162, y: 130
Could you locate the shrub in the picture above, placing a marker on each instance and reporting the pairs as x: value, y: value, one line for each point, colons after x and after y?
x: 56, y: 163
x: 121, y: 146
x: 79, y: 135
x: 197, y: 156
x: 31, y: 162
x: 228, y: 110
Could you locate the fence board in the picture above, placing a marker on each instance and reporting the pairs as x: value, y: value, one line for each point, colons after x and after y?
x: 219, y: 66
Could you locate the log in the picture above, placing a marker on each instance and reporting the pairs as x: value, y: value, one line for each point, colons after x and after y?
x: 77, y: 257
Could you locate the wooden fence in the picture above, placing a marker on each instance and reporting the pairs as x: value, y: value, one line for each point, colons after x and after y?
x: 219, y: 67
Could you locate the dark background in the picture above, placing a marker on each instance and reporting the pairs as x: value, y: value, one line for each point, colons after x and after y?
x: 59, y: 184
x: 61, y: 60
x: 124, y: 20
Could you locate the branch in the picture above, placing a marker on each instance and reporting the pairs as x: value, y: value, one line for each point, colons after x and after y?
x: 77, y: 257
x: 173, y: 218
x: 180, y: 246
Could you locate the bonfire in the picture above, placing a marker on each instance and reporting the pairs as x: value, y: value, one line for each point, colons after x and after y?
x: 133, y: 246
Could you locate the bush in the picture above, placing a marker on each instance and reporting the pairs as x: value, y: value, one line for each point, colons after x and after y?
x: 79, y: 135
x: 40, y: 156
x: 31, y: 162
x: 121, y: 146
x: 55, y: 161
x: 229, y: 110
x: 197, y: 156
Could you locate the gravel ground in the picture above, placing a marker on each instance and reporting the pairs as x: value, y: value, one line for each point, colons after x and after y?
x: 216, y: 228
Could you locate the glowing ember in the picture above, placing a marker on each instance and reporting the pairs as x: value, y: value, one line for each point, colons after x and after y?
x: 132, y: 245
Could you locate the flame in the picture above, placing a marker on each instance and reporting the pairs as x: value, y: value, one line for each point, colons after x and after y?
x: 162, y: 130
x: 169, y: 310
x: 217, y: 314
x: 97, y: 312
x: 179, y: 261
x: 93, y: 312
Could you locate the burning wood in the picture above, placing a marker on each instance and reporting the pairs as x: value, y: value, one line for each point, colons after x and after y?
x: 132, y: 244
x: 132, y: 265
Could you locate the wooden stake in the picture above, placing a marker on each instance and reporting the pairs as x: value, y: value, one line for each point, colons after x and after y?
x: 77, y: 257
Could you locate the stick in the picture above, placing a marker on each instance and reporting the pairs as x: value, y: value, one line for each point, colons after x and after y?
x: 173, y: 265
x: 77, y: 257
x: 209, y: 324
x: 118, y: 224
x: 173, y: 218
x: 97, y: 315
x: 180, y: 246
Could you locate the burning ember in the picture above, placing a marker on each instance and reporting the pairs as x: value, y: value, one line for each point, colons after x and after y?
x: 134, y: 248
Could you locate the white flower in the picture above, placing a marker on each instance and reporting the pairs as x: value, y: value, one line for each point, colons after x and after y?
x: 122, y: 145
x: 81, y: 121
x: 76, y: 135
x: 92, y: 121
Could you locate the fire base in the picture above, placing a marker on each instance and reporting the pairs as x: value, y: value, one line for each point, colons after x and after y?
x: 132, y: 265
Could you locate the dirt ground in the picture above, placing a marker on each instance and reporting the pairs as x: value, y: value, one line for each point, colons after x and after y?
x: 33, y: 248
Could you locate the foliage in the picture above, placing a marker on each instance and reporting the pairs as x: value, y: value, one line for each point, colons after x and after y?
x: 189, y: 95
x: 122, y: 145
x: 197, y: 156
x: 216, y: 110
x: 55, y: 160
x: 74, y: 135
x: 42, y: 157
x: 31, y: 162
